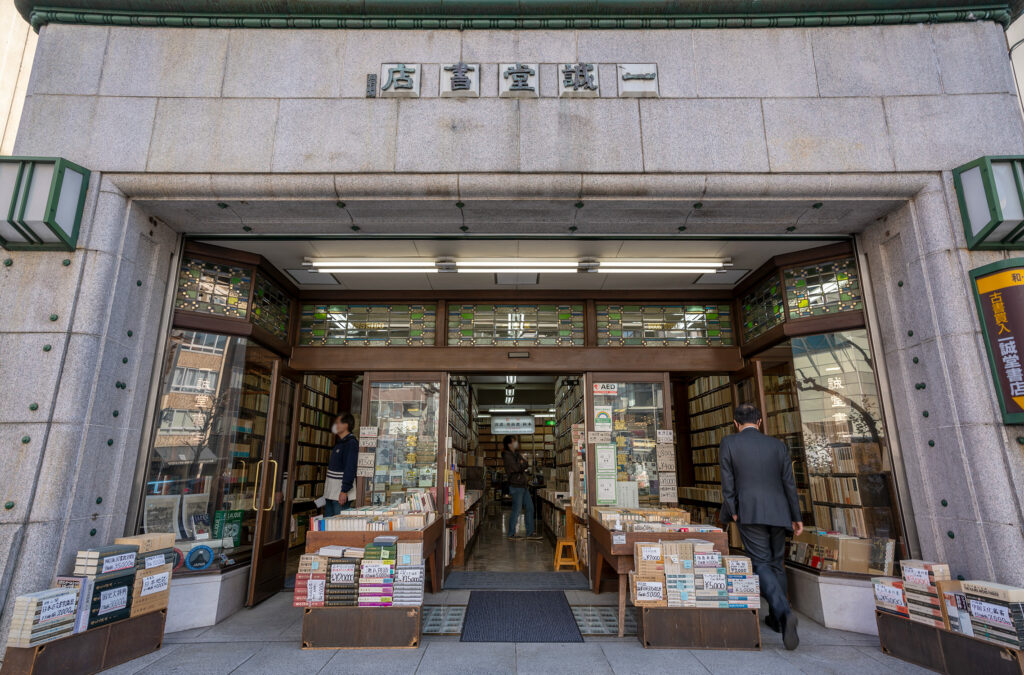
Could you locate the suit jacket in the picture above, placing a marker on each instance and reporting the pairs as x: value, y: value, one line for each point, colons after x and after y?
x: 757, y: 480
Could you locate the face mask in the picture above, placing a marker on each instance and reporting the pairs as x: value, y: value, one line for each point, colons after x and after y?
x: 336, y: 428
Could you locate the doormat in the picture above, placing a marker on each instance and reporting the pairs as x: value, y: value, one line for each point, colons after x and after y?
x: 519, y: 616
x: 517, y: 581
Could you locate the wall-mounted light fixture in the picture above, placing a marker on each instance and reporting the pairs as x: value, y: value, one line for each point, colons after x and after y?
x: 44, y: 198
x: 992, y: 202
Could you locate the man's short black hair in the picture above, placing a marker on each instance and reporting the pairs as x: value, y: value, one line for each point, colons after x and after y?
x: 347, y: 418
x: 507, y: 442
x: 746, y: 413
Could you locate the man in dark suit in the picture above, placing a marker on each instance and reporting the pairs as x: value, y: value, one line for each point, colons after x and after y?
x: 759, y: 494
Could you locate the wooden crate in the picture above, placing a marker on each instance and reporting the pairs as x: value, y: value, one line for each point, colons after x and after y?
x: 361, y: 627
x: 698, y: 628
x: 944, y: 651
x: 91, y: 651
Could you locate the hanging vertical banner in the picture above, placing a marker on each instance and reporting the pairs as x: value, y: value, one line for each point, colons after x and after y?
x: 999, y: 293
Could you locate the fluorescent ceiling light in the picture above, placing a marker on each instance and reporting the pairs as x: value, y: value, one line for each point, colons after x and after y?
x: 551, y: 410
x: 517, y: 270
x: 518, y: 264
x: 654, y: 270
x: 482, y: 415
x: 377, y: 270
x: 703, y: 264
x: 510, y: 379
x: 508, y: 410
x: 542, y: 415
x: 369, y: 262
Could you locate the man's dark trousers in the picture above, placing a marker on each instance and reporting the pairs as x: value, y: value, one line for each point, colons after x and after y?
x: 766, y: 546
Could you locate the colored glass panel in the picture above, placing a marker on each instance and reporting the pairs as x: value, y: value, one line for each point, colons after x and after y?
x: 211, y: 288
x: 476, y: 325
x: 683, y: 325
x: 271, y: 307
x: 368, y: 325
x: 823, y: 288
x: 762, y: 308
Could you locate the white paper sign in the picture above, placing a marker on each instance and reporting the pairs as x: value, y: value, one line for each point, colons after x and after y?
x: 154, y: 561
x: 707, y: 559
x: 666, y: 454
x: 606, y: 388
x: 315, y: 590
x: 917, y: 576
x: 367, y: 441
x: 735, y: 566
x: 155, y: 583
x: 651, y: 591
x: 742, y: 586
x: 602, y: 418
x: 605, y: 490
x: 605, y: 453
x: 57, y: 607
x: 599, y: 437
x: 366, y: 459
x: 376, y: 570
x: 667, y: 490
x: 509, y: 424
x: 650, y: 553
x: 714, y: 582
x: 986, y: 611
x: 618, y: 539
x: 343, y: 573
x: 113, y: 599
x: 367, y: 431
x: 889, y: 595
x: 409, y: 575
x: 665, y: 436
x: 121, y: 561
x: 364, y: 472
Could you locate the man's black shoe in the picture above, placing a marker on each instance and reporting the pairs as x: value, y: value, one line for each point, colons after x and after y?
x: 789, y: 637
x: 773, y: 623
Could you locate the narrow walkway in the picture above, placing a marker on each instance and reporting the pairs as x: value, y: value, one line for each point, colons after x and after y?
x: 265, y: 639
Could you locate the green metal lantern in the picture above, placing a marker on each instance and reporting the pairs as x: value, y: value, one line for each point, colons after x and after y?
x: 991, y: 198
x: 43, y: 199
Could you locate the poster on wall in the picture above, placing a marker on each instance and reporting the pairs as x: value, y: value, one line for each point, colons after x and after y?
x: 999, y: 294
x: 161, y: 513
x: 605, y: 454
x: 602, y: 418
x: 606, y: 489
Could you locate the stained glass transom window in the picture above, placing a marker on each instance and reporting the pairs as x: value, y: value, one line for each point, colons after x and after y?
x: 824, y: 288
x: 212, y: 288
x: 664, y: 325
x: 368, y: 325
x: 515, y: 325
x: 762, y: 308
x: 271, y: 307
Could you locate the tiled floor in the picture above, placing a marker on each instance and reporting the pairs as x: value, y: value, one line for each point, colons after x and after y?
x: 493, y: 551
x: 265, y: 639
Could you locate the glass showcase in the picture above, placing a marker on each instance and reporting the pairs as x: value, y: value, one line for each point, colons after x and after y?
x: 632, y: 412
x: 405, y: 415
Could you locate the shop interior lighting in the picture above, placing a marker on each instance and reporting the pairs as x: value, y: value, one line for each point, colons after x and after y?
x: 502, y: 411
x: 522, y: 266
x: 510, y: 379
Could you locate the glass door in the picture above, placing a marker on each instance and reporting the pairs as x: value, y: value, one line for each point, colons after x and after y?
x: 269, y: 504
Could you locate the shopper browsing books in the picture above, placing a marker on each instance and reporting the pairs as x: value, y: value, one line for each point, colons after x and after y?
x: 341, y: 468
x: 759, y: 494
x: 516, y: 467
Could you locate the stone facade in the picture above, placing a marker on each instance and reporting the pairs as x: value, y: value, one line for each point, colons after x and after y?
x: 744, y: 116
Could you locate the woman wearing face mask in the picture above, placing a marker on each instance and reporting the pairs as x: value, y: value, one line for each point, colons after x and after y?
x: 341, y: 468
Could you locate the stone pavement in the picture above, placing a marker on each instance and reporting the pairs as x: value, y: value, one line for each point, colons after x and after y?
x: 265, y: 639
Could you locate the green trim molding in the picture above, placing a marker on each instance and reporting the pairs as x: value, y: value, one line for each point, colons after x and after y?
x: 999, y: 296
x: 511, y: 14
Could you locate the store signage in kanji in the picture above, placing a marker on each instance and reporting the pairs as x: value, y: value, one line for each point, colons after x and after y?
x: 512, y: 425
x: 999, y: 292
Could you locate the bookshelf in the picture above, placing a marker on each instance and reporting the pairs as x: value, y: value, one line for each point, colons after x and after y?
x: 710, y: 408
x: 782, y: 420
x: 318, y: 405
x: 569, y: 407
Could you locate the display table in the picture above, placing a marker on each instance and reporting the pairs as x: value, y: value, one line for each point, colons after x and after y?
x: 361, y: 627
x: 618, y: 553
x: 944, y: 651
x: 91, y: 651
x: 430, y: 536
x: 698, y: 628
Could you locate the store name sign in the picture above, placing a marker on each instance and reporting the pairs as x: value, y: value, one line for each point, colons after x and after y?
x: 999, y: 294
x: 522, y: 424
x: 515, y: 80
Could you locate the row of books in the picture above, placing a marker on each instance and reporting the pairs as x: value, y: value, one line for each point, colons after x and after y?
x: 315, y: 399
x: 707, y: 474
x: 703, y: 494
x: 691, y: 573
x: 306, y: 453
x: 309, y: 490
x: 713, y: 399
x: 315, y: 436
x: 782, y: 423
x: 833, y: 551
x: 852, y: 458
x: 310, y: 472
x: 702, y: 385
x: 315, y: 418
x: 705, y: 455
x: 709, y: 420
x: 255, y: 401
x: 321, y: 384
x: 710, y: 438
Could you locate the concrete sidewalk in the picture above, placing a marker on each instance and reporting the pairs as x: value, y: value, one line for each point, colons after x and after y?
x: 265, y: 639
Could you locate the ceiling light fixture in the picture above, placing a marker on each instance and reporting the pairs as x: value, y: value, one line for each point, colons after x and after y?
x: 370, y: 262
x: 507, y: 410
x: 518, y: 264
x: 703, y: 264
x: 510, y: 379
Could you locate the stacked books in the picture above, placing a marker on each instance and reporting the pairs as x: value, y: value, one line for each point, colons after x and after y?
x: 680, y: 581
x: 889, y: 596
x: 152, y: 589
x: 42, y: 617
x: 310, y: 581
x: 409, y: 552
x: 996, y: 612
x: 376, y: 582
x: 647, y: 580
x: 408, y: 587
x: 111, y: 597
x: 82, y: 586
x: 955, y: 608
x: 382, y: 548
x: 105, y: 560
x: 744, y: 590
x: 154, y: 549
x: 342, y: 582
x: 711, y: 587
x: 920, y: 591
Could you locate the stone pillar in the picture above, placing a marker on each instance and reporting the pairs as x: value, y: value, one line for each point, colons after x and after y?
x: 77, y: 348
x: 965, y: 470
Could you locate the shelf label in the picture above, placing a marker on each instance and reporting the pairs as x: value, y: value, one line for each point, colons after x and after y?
x: 745, y: 586
x: 315, y: 590
x: 156, y: 583
x: 375, y: 570
x: 118, y: 562
x: 650, y: 553
x: 666, y: 454
x: 60, y: 606
x: 599, y: 437
x: 364, y: 472
x: 409, y: 575
x: 707, y: 559
x: 667, y: 490
x: 618, y: 539
x: 890, y: 595
x: 917, y: 576
x: 113, y: 599
x: 154, y: 561
x: 343, y: 573
x: 366, y: 459
x: 990, y: 613
x: 665, y: 436
x: 650, y: 591
x: 714, y: 582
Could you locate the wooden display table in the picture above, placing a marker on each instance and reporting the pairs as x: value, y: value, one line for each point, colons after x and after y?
x: 698, y: 628
x: 361, y: 627
x: 430, y: 536
x: 90, y: 651
x: 618, y: 553
x: 944, y: 651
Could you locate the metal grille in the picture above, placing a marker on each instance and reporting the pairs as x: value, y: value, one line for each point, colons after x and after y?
x: 602, y: 620
x: 443, y: 620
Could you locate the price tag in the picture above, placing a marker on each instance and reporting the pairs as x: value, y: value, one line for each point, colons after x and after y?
x: 707, y: 559
x: 666, y: 456
x: 667, y: 490
x: 917, y: 576
x: 154, y: 561
x: 651, y: 591
x: 599, y: 437
x: 745, y: 586
x: 990, y: 613
x: 735, y: 566
x: 366, y: 459
x: 665, y: 436
x: 315, y: 590
x: 618, y: 539
x: 364, y: 472
x: 367, y: 431
x: 121, y: 561
x: 376, y: 570
x: 343, y: 573
x: 650, y: 553
x: 411, y: 575
x: 367, y: 441
x: 57, y: 607
x: 112, y: 600
x: 714, y: 582
x: 889, y: 595
x: 155, y: 583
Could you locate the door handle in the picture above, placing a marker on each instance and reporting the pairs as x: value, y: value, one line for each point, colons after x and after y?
x: 273, y: 486
x: 256, y: 487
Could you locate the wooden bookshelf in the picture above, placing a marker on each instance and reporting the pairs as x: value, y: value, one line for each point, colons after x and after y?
x: 318, y: 405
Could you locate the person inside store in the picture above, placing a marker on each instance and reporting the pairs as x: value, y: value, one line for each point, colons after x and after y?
x: 517, y: 468
x: 759, y: 495
x: 339, y: 488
